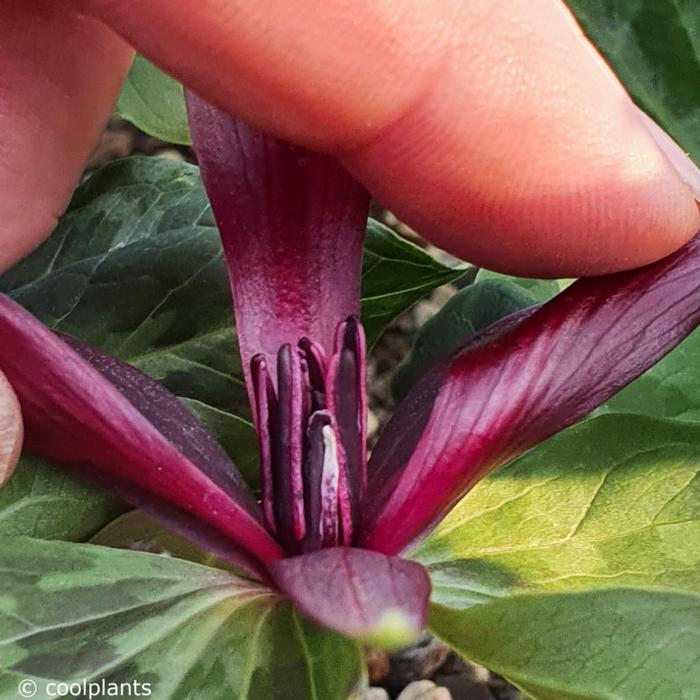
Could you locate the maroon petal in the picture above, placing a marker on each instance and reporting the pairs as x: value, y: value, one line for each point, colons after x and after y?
x: 380, y: 600
x: 292, y: 223
x: 85, y: 409
x: 518, y: 383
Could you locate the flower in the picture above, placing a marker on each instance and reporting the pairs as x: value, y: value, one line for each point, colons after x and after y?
x: 331, y: 527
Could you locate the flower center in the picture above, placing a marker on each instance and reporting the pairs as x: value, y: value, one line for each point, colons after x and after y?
x: 312, y: 435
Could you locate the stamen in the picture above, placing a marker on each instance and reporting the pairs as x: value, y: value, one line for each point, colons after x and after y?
x: 265, y: 401
x: 287, y: 462
x: 317, y: 365
x: 347, y: 402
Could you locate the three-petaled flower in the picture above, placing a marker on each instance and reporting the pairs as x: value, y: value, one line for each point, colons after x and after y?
x: 331, y: 526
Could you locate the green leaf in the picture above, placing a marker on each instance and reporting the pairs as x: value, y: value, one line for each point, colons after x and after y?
x: 470, y: 310
x: 395, y: 275
x: 81, y: 612
x: 154, y: 102
x: 601, y: 523
x: 654, y: 47
x: 670, y: 389
x: 621, y: 644
x: 41, y: 500
x: 542, y: 290
x: 138, y: 530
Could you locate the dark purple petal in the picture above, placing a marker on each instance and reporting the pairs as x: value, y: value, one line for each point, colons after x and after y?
x: 518, y: 383
x: 292, y: 223
x: 366, y: 595
x: 105, y: 419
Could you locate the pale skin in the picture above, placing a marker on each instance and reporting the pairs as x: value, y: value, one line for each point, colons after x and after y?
x: 10, y: 430
x: 491, y: 126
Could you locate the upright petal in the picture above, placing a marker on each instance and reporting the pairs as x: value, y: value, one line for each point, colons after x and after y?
x: 292, y: 223
x: 103, y: 418
x: 519, y: 382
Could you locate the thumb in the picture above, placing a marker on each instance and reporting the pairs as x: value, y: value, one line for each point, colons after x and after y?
x: 494, y: 128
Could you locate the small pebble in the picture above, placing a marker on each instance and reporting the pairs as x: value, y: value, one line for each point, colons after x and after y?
x: 372, y: 424
x: 424, y: 310
x: 377, y: 661
x: 374, y: 694
x: 170, y: 154
x: 424, y: 690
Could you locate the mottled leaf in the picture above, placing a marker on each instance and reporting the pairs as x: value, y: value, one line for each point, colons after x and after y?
x: 43, y: 500
x: 395, y: 275
x: 81, y: 612
x: 380, y: 600
x: 654, y: 47
x: 154, y: 102
x: 135, y: 268
x: 139, y: 531
x: 575, y: 571
x: 542, y: 290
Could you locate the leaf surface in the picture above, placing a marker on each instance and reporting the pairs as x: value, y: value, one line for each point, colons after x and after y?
x: 654, y: 47
x: 575, y: 571
x: 154, y: 102
x: 72, y: 612
x: 395, y: 275
x: 43, y: 500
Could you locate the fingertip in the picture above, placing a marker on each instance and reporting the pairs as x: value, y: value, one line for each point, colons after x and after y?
x: 688, y: 172
x: 535, y: 164
x: 11, y: 430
